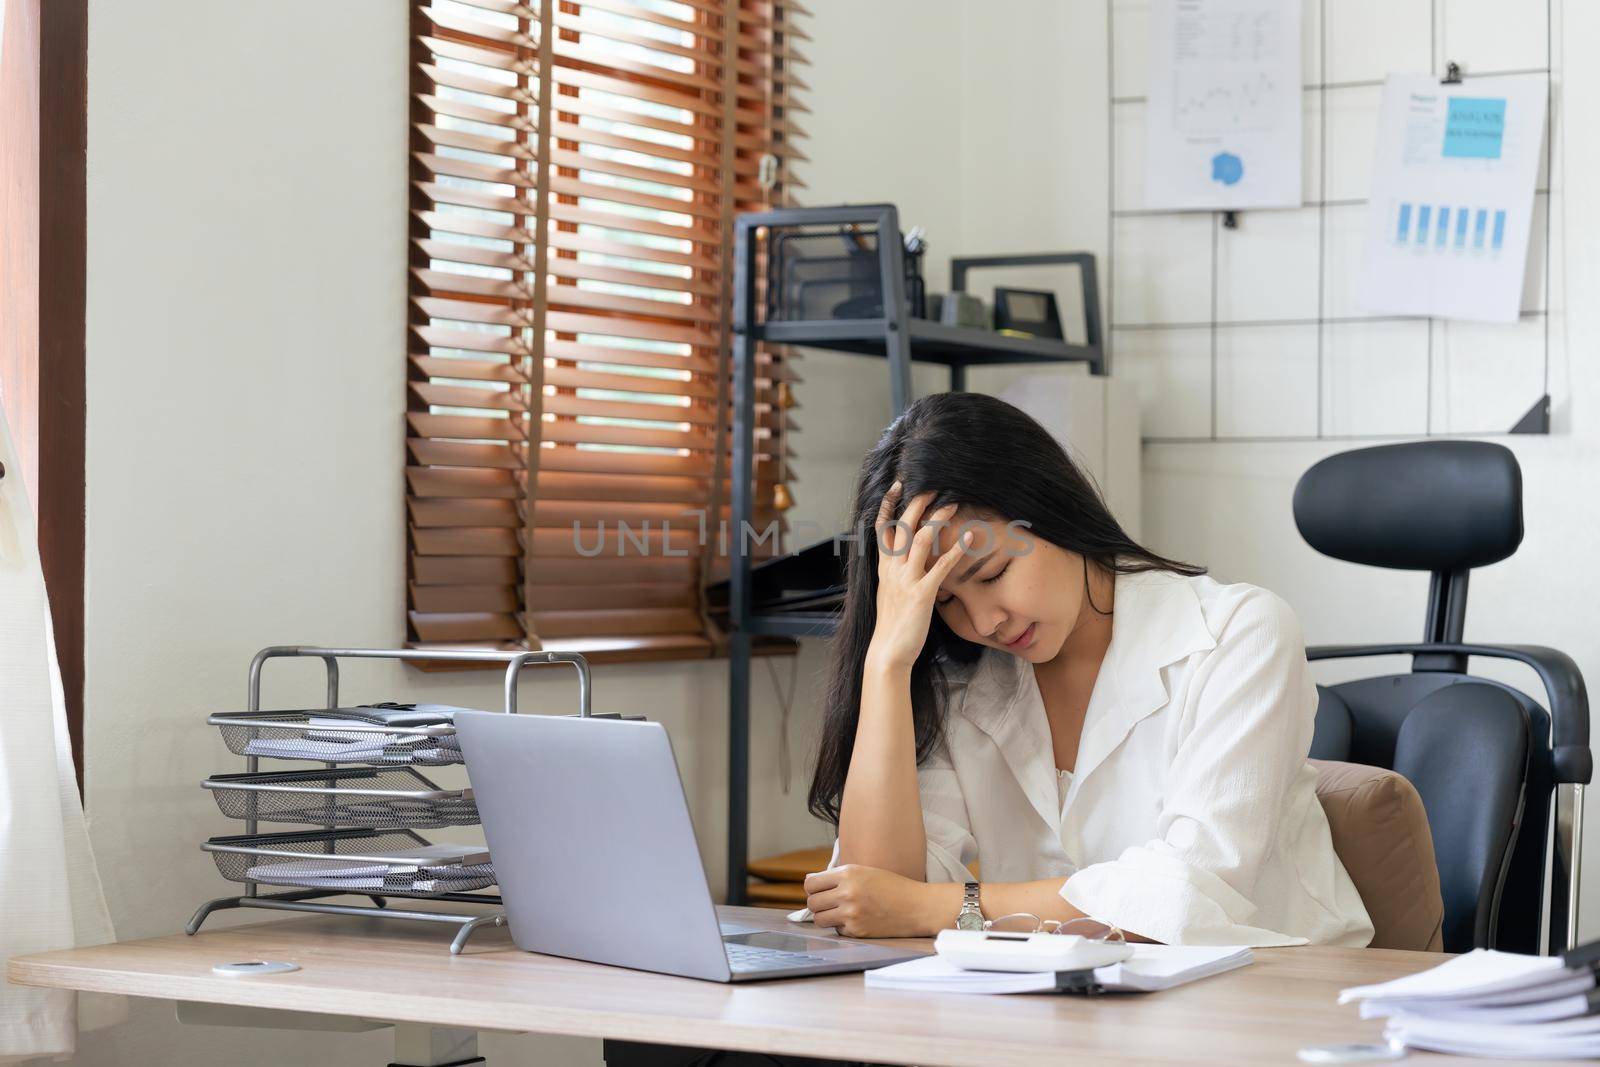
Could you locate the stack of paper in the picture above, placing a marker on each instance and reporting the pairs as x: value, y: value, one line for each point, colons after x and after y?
x: 446, y: 749
x: 429, y: 869
x: 1150, y: 968
x: 1487, y: 1003
x: 329, y: 738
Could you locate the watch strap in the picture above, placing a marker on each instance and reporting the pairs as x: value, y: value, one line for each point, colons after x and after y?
x: 971, y: 914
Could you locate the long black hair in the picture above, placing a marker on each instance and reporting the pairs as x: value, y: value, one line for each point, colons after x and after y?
x: 985, y: 456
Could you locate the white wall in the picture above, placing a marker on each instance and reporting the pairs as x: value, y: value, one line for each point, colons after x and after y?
x: 970, y: 128
x: 245, y: 342
x: 885, y: 126
x: 1033, y: 175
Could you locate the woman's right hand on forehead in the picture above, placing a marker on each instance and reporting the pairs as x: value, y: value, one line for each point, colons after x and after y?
x: 907, y: 584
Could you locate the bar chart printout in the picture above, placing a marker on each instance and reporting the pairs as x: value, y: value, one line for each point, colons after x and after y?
x: 1451, y: 208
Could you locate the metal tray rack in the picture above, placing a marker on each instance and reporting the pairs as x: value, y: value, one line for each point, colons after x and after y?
x: 348, y: 856
x: 378, y: 798
x: 364, y: 811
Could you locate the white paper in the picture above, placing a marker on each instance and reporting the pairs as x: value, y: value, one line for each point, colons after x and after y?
x: 1541, y: 1011
x: 1477, y: 972
x: 1522, y: 1049
x: 311, y: 748
x: 1576, y: 1037
x: 1151, y: 968
x: 1451, y: 206
x: 1155, y: 967
x: 406, y: 861
x: 1223, y: 122
x: 1558, y: 991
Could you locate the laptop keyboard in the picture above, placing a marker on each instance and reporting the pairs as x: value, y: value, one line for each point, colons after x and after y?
x: 749, y: 958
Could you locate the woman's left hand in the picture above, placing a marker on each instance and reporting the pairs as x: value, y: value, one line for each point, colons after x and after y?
x: 872, y: 902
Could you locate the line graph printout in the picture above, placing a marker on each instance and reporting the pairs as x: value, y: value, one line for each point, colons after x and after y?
x: 1451, y: 208
x: 1223, y: 123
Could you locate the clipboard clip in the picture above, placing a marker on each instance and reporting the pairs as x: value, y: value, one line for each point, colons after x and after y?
x: 1452, y: 74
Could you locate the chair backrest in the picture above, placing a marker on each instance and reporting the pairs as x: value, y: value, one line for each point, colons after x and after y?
x: 1478, y: 752
x: 1469, y: 746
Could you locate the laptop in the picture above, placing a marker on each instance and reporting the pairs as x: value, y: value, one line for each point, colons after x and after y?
x: 597, y: 860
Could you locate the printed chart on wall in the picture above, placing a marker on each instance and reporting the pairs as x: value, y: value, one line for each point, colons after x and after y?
x: 1451, y: 208
x: 1224, y: 123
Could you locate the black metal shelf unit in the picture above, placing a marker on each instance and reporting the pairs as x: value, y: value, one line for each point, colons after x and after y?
x: 898, y: 337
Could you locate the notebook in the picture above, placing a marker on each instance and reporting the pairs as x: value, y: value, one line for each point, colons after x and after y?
x: 1151, y: 968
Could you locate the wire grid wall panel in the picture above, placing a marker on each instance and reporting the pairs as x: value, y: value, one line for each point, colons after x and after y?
x: 1252, y: 333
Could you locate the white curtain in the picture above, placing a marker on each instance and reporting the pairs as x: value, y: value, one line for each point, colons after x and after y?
x: 50, y: 893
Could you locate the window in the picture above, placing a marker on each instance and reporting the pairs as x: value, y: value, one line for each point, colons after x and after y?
x: 575, y: 172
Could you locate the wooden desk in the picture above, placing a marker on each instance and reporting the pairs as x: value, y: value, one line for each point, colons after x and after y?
x: 364, y: 968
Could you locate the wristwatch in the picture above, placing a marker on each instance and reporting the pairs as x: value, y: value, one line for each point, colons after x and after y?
x: 971, y: 917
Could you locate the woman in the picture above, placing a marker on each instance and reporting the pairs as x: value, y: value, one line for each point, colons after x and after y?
x: 1016, y: 682
x: 1018, y: 685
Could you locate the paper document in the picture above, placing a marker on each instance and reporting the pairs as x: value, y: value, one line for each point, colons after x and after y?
x: 1567, y: 1039
x: 1539, y: 1011
x: 1488, y: 1003
x: 1223, y: 122
x: 351, y: 747
x: 424, y: 857
x: 460, y: 879
x: 1451, y: 206
x: 1474, y: 973
x: 1151, y: 968
x: 1539, y: 997
x: 425, y: 869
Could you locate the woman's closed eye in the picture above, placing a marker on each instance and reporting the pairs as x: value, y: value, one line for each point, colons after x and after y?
x: 995, y: 577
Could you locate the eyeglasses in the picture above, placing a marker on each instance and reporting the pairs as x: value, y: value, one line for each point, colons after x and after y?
x: 1024, y: 922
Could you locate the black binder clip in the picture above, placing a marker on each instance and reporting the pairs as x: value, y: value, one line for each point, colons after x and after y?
x: 1585, y: 955
x: 1452, y: 74
x: 1080, y: 982
x: 1230, y: 220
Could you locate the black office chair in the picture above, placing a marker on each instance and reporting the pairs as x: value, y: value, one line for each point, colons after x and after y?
x: 1487, y: 759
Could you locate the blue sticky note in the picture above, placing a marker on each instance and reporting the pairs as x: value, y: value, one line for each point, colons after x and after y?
x: 1227, y: 168
x: 1424, y: 212
x: 1499, y: 229
x: 1474, y: 127
x: 1443, y: 230
x: 1403, y: 232
x: 1461, y: 226
x: 1480, y: 224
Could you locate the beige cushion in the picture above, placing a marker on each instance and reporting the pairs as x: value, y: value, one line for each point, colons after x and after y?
x: 794, y: 866
x: 1380, y: 831
x: 790, y: 893
x: 791, y: 866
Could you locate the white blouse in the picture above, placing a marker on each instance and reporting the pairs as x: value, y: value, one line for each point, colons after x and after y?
x: 1191, y: 815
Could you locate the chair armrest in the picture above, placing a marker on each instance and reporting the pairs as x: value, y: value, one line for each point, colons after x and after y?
x: 1563, y: 685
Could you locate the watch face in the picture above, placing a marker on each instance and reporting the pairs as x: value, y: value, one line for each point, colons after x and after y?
x: 969, y: 920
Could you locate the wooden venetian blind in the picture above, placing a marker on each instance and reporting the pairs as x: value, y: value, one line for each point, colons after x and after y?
x: 576, y: 168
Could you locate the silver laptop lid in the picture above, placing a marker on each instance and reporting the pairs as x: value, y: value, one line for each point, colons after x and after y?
x: 592, y: 843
